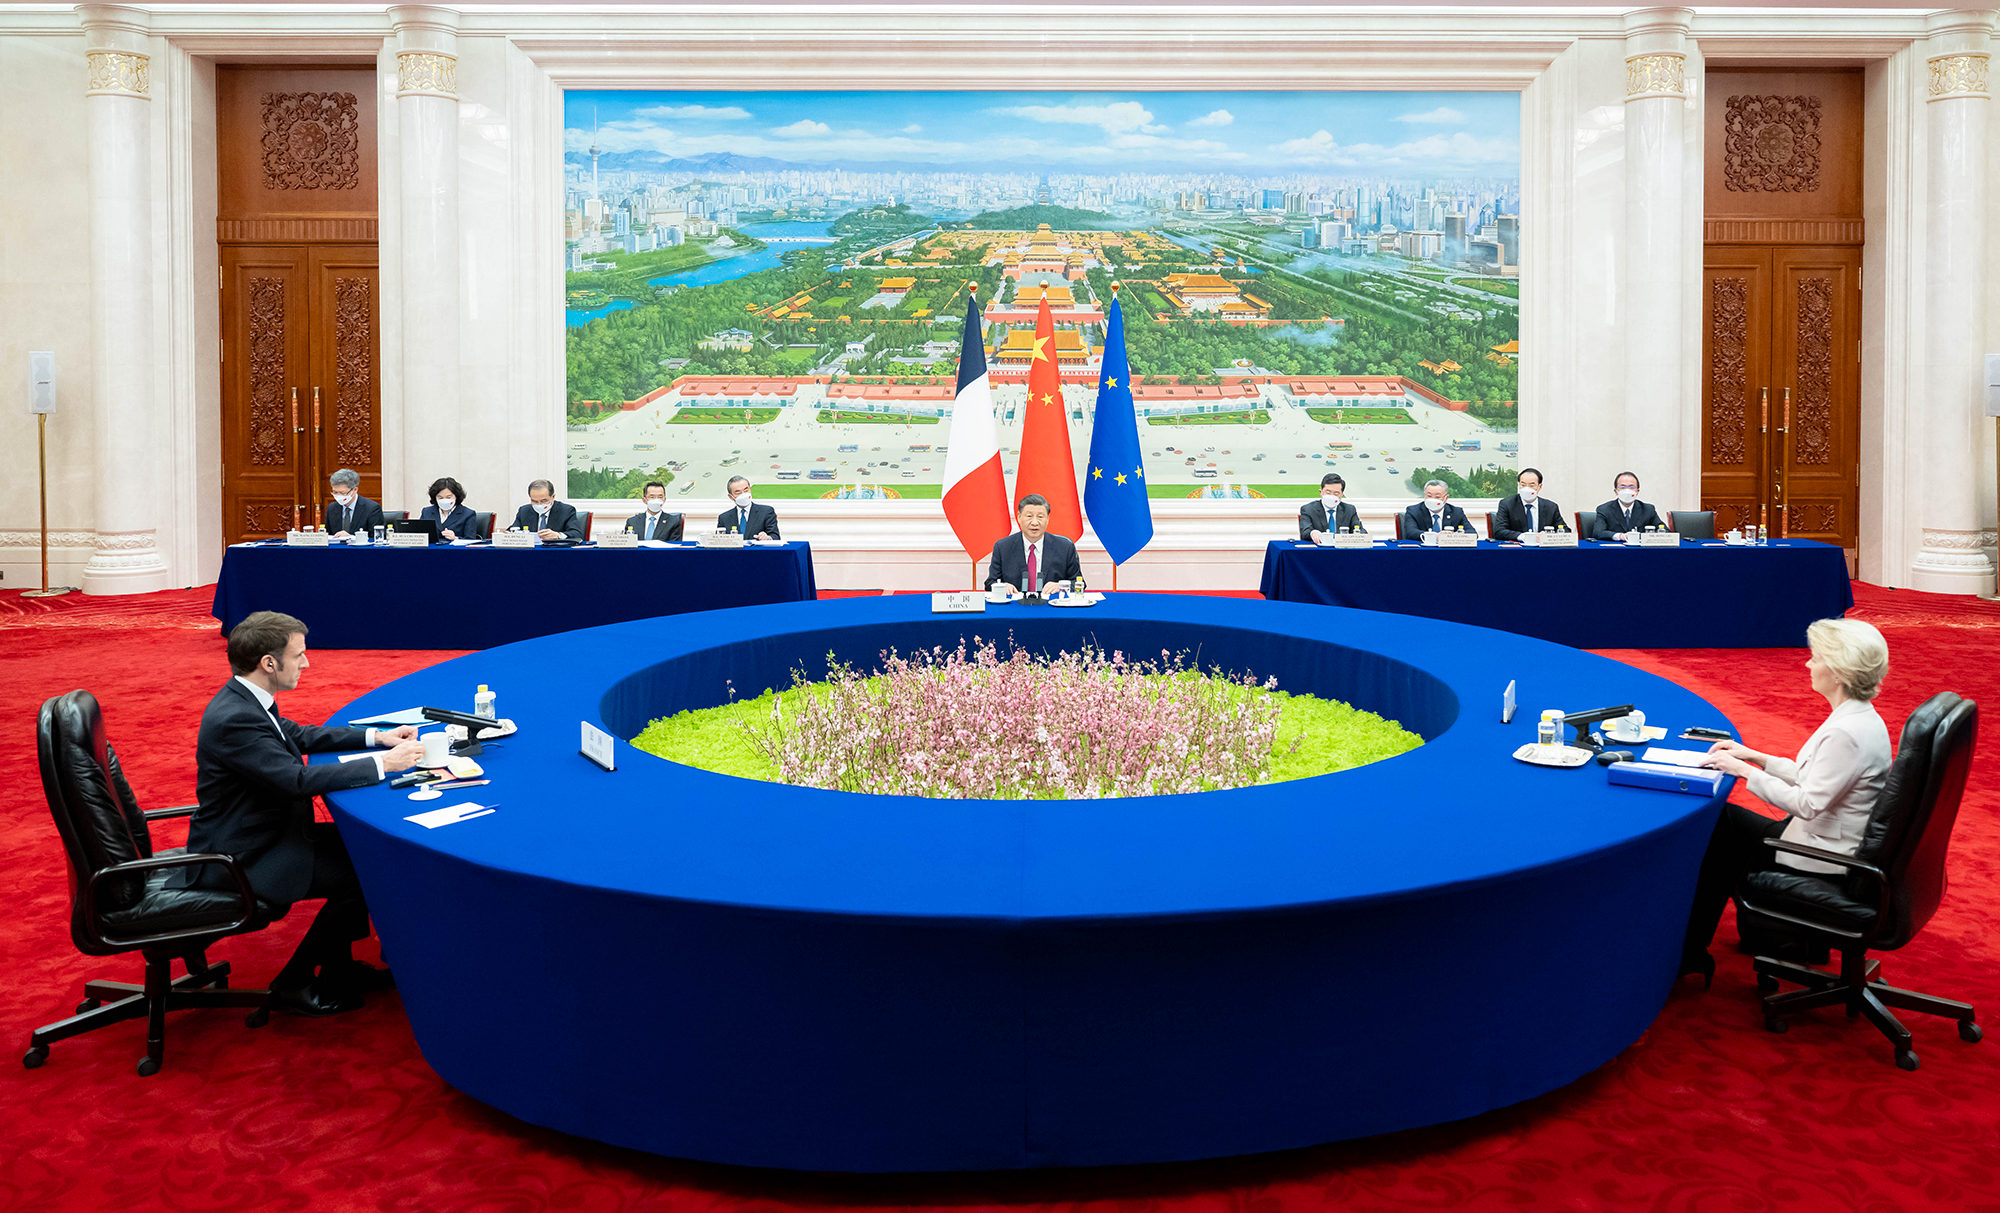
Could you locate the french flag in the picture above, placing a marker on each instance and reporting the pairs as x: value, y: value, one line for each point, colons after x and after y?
x: 975, y: 489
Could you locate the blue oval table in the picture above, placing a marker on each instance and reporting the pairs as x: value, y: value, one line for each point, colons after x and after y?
x: 717, y: 968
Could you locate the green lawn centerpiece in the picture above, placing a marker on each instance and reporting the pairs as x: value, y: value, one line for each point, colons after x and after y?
x: 968, y: 723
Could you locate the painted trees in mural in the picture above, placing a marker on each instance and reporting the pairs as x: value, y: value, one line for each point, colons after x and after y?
x: 776, y: 282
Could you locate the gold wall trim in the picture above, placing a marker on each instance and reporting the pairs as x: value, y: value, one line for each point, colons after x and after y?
x: 297, y: 231
x: 1782, y: 231
x: 1962, y: 75
x: 1656, y: 75
x: 119, y: 74
x: 427, y: 74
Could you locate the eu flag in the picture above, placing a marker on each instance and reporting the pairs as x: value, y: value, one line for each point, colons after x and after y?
x: 1114, y: 480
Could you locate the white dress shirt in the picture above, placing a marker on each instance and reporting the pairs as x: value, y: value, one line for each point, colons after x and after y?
x: 1830, y: 789
x: 269, y: 703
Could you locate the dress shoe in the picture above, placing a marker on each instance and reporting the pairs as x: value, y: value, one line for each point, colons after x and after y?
x: 315, y: 1001
x: 356, y: 975
x: 1699, y: 962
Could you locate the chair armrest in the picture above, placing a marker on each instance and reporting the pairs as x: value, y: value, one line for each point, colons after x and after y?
x: 1825, y: 856
x: 1882, y: 892
x: 186, y: 810
x: 157, y: 862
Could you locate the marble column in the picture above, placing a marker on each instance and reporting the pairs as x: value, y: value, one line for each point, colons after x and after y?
x: 427, y: 128
x: 1950, y: 558
x: 126, y: 558
x: 1655, y: 245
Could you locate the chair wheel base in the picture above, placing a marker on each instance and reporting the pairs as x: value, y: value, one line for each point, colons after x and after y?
x: 34, y: 1057
x: 1969, y: 1032
x: 148, y: 1066
x: 1767, y: 983
x: 1773, y: 1023
x: 257, y: 1018
x: 1906, y: 1060
x: 88, y: 1004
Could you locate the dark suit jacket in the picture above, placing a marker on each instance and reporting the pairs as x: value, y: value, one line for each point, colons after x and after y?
x: 1512, y: 517
x: 669, y: 527
x: 1417, y: 519
x: 356, y: 519
x: 763, y: 520
x: 255, y: 796
x: 562, y: 517
x: 1010, y: 561
x: 1611, y: 517
x: 1312, y: 517
x: 462, y: 523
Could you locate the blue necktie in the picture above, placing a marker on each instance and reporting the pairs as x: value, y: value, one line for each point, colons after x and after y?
x: 743, y: 521
x: 1437, y: 521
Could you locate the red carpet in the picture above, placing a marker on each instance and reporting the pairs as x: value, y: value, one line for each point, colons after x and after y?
x: 1705, y: 1112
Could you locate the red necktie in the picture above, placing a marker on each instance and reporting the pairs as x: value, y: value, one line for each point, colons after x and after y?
x: 1030, y: 587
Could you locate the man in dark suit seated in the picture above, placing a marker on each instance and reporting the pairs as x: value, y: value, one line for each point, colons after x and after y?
x: 1434, y: 513
x: 1031, y: 558
x: 654, y: 522
x: 1527, y: 510
x: 256, y: 803
x: 1626, y: 512
x: 547, y: 517
x: 745, y: 515
x: 449, y: 511
x: 1315, y: 516
x: 349, y: 513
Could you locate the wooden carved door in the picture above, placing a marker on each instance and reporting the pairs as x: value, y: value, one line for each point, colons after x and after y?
x: 301, y: 382
x: 1781, y: 418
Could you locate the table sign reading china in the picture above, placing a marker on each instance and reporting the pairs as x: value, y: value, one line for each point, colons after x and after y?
x: 970, y: 601
x: 408, y: 539
x: 618, y: 539
x: 514, y: 539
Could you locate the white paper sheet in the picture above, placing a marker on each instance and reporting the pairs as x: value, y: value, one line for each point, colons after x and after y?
x: 451, y: 815
x: 1679, y: 758
x: 392, y: 719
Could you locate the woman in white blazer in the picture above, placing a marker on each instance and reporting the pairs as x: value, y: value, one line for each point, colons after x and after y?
x: 1826, y: 793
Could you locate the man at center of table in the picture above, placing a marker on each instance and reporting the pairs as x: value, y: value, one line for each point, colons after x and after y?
x: 1031, y: 558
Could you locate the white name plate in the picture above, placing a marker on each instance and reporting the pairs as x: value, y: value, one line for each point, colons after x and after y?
x: 1457, y: 539
x: 306, y: 539
x: 1558, y: 539
x: 968, y: 602
x: 719, y: 539
x: 618, y: 539
x: 1352, y: 541
x: 1659, y: 539
x: 596, y: 746
x: 514, y: 539
x: 408, y: 539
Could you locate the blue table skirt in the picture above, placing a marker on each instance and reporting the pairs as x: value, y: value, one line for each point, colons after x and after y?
x: 790, y: 977
x: 476, y: 597
x: 1592, y: 596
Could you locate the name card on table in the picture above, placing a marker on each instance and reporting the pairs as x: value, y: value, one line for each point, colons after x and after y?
x: 959, y: 603
x: 1457, y: 539
x: 408, y: 539
x: 1558, y: 539
x: 596, y: 746
x: 719, y: 539
x: 307, y: 539
x: 619, y: 539
x: 514, y: 539
x: 1659, y: 539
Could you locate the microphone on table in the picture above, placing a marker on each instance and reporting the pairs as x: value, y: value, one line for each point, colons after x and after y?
x: 473, y: 726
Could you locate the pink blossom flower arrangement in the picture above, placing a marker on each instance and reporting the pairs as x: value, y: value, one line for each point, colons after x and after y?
x: 969, y: 724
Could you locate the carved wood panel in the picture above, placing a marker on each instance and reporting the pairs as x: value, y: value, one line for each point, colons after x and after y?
x: 259, y: 519
x: 1771, y: 144
x: 267, y: 426
x: 354, y: 425
x: 295, y: 151
x: 312, y: 141
x: 1812, y: 400
x: 1728, y: 380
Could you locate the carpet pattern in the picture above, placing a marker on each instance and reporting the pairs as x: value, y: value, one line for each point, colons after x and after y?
x: 1705, y: 1111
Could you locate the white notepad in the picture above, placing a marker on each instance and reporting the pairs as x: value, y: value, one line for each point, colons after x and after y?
x: 449, y: 816
x: 1679, y: 758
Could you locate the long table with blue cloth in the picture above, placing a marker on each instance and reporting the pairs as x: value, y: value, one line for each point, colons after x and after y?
x: 474, y: 597
x: 1591, y: 596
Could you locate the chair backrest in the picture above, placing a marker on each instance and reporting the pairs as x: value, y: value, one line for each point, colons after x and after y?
x: 1692, y: 524
x: 483, y: 524
x: 1586, y: 524
x: 1399, y: 526
x: 588, y: 517
x: 1916, y: 866
x: 395, y: 516
x: 1490, y: 518
x: 92, y: 804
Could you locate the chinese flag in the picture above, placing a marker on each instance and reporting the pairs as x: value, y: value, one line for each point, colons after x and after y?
x: 1046, y: 465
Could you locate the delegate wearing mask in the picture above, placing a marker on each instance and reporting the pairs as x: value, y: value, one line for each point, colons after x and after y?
x: 448, y: 510
x: 654, y: 522
x: 350, y: 513
x: 1527, y: 510
x: 1434, y: 513
x: 1625, y: 512
x: 747, y: 516
x: 1331, y: 512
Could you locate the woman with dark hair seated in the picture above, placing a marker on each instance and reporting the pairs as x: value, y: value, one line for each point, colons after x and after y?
x: 447, y: 509
x: 1827, y: 792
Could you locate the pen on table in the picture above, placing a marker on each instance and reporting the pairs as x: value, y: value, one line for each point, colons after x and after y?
x: 463, y: 783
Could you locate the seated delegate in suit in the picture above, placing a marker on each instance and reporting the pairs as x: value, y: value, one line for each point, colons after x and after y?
x: 1031, y: 558
x: 1313, y: 515
x: 349, y: 513
x: 255, y: 802
x: 1527, y: 510
x: 1434, y: 513
x: 654, y: 522
x: 1827, y: 793
x: 447, y: 509
x: 1626, y: 512
x: 747, y: 517
x: 547, y: 517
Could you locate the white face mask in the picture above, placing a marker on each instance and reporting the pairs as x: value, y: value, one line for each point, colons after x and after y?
x: 655, y: 504
x: 1528, y: 495
x: 1628, y: 496
x: 1330, y: 497
x: 446, y: 505
x: 1437, y: 507
x: 743, y: 500
x: 344, y: 498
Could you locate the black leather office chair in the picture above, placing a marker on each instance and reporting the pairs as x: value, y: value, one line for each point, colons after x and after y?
x: 1891, y: 887
x: 1586, y: 525
x: 119, y: 901
x: 483, y: 523
x: 389, y: 516
x: 1692, y: 524
x: 1491, y: 519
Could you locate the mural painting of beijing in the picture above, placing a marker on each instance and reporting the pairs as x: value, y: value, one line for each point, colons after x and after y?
x: 775, y: 284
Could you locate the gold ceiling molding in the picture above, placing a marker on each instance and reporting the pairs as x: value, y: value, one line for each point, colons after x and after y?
x: 427, y: 74
x: 128, y: 74
x: 1962, y: 75
x: 1656, y: 75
